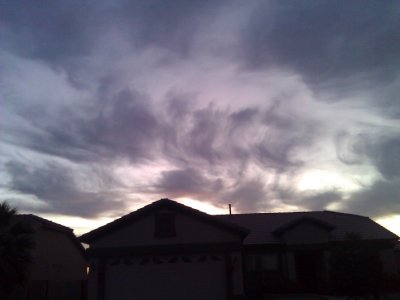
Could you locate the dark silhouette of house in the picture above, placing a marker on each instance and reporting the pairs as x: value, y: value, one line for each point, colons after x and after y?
x: 59, y: 268
x: 166, y: 250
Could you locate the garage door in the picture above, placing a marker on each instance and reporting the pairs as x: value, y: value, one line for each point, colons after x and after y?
x: 192, y: 277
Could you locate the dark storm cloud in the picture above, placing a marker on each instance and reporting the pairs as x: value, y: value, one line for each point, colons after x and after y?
x: 285, y: 135
x: 123, y: 125
x: 217, y: 137
x: 130, y: 57
x: 221, y: 144
x: 382, y: 150
x: 307, y: 200
x: 349, y: 148
x: 244, y: 115
x: 187, y: 182
x: 325, y: 40
x: 247, y: 195
x: 53, y: 31
x: 385, y: 155
x: 171, y: 25
x: 380, y: 199
x: 63, y: 32
x: 319, y: 200
x: 58, y: 186
x: 205, y: 129
x: 382, y: 196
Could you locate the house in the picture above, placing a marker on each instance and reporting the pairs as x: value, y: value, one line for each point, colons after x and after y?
x: 59, y: 269
x: 291, y: 251
x: 166, y: 250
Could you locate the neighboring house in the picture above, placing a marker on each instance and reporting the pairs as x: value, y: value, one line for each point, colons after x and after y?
x: 397, y: 255
x: 166, y: 250
x: 59, y: 269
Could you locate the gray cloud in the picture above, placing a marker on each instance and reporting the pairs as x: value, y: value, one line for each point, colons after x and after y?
x: 60, y: 188
x: 188, y: 182
x: 120, y: 126
x: 325, y: 40
x: 55, y: 32
x: 65, y: 34
x: 385, y: 155
x: 118, y: 100
x: 307, y: 200
x: 381, y: 149
x: 248, y: 195
x: 380, y: 199
x: 319, y: 200
x: 170, y: 25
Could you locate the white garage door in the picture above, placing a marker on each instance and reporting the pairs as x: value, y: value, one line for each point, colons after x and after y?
x: 191, y: 277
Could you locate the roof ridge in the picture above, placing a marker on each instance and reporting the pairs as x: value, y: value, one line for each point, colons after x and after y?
x: 345, y: 213
x: 115, y: 224
x: 268, y: 213
x: 48, y: 222
x: 294, y: 212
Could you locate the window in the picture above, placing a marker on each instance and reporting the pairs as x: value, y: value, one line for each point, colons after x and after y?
x: 164, y: 225
x: 262, y: 262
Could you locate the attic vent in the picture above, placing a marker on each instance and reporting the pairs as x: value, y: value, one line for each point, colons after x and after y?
x: 164, y: 225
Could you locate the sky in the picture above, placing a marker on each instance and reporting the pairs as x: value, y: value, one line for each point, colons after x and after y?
x: 272, y: 106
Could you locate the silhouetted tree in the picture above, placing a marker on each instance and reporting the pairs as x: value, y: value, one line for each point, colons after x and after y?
x: 355, y: 268
x: 16, y: 244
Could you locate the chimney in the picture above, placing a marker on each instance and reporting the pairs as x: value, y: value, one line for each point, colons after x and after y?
x: 230, y: 209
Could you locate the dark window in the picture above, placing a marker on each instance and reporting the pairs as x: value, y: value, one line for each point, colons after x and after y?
x: 164, y: 225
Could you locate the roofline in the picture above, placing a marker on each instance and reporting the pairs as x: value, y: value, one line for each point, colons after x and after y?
x: 69, y: 232
x: 293, y: 212
x: 47, y: 223
x: 167, y: 203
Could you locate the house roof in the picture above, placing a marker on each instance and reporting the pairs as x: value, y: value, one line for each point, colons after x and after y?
x: 303, y: 219
x: 47, y: 224
x: 264, y: 226
x: 163, y: 204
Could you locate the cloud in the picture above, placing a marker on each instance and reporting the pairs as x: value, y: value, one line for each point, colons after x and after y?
x: 381, y: 151
x: 120, y: 126
x: 188, y: 182
x: 378, y: 200
x: 385, y: 155
x: 62, y: 190
x: 65, y: 34
x: 247, y: 195
x: 212, y: 100
x: 56, y: 32
x: 324, y: 40
x: 319, y: 200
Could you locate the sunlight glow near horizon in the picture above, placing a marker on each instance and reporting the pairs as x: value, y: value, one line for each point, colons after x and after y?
x: 391, y: 223
x: 204, y: 206
x: 79, y: 224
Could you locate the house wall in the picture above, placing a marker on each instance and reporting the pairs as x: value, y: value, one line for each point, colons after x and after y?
x: 56, y: 257
x: 188, y: 230
x: 93, y: 279
x: 306, y: 233
x: 214, y: 278
x: 237, y: 273
x: 291, y: 267
x: 388, y: 260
